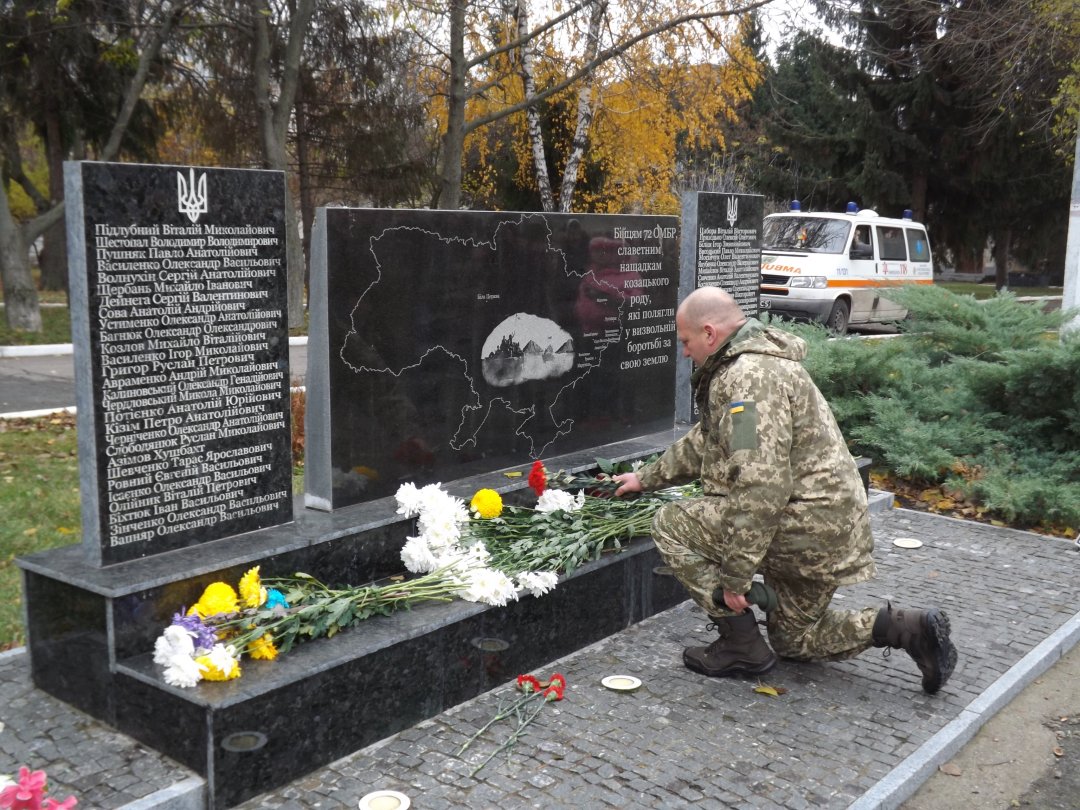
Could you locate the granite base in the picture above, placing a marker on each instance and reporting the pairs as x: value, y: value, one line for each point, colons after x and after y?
x: 91, y: 633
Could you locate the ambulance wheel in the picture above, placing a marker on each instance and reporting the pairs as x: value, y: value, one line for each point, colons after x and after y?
x: 838, y: 318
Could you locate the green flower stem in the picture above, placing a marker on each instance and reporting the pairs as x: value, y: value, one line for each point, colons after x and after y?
x: 502, y: 714
x: 509, y: 742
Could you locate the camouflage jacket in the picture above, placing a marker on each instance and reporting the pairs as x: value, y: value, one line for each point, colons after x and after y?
x: 784, y: 491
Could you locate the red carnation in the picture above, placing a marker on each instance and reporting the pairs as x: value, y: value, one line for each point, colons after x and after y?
x: 553, y: 692
x: 538, y: 478
x: 528, y: 683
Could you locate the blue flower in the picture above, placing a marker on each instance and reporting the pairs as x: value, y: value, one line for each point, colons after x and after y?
x: 275, y: 598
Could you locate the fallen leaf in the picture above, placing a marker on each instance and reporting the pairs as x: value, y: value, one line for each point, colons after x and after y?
x: 1059, y: 751
x: 951, y: 768
x: 31, y: 531
x: 514, y: 474
x: 64, y: 530
x: 775, y: 691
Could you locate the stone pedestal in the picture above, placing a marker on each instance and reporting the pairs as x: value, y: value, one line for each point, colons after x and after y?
x: 92, y: 632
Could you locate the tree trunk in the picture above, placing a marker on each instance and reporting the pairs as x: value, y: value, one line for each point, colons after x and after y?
x: 532, y: 114
x: 918, y: 196
x: 449, y: 193
x: 1002, y: 246
x: 273, y: 128
x: 54, y: 252
x: 303, y: 170
x: 584, y: 113
x: 21, y: 310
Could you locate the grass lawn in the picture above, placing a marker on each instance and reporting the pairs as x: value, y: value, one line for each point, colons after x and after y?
x: 39, y: 504
x: 55, y: 328
x: 988, y: 291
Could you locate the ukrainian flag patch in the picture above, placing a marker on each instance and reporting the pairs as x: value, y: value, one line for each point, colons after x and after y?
x: 743, y: 426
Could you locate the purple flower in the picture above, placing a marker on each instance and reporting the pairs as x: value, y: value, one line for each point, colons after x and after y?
x: 203, y: 636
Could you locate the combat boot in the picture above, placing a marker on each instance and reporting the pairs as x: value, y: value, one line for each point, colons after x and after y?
x: 922, y: 634
x: 740, y: 650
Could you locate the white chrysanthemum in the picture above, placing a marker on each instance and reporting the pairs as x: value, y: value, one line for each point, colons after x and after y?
x: 183, y: 671
x: 537, y: 582
x: 488, y: 586
x: 417, y: 556
x: 431, y: 498
x: 223, y: 657
x: 174, y: 641
x: 408, y: 498
x: 440, y: 530
x: 554, y: 500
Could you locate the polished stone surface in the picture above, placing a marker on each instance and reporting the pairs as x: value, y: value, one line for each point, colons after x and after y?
x: 325, y: 699
x: 721, y: 247
x: 445, y: 344
x: 179, y: 328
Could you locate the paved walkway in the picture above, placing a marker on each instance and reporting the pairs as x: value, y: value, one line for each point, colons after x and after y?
x: 857, y: 733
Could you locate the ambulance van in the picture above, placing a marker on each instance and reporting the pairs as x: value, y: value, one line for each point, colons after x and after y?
x: 838, y: 268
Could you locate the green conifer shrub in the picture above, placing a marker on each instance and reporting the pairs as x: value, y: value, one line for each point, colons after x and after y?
x: 982, y: 396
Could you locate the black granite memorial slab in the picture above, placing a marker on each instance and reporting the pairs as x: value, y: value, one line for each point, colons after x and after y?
x: 721, y: 247
x: 448, y: 343
x: 325, y: 700
x: 329, y: 697
x: 179, y: 325
x: 729, y: 245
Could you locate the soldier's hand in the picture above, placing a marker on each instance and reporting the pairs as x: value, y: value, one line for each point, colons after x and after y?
x: 735, y: 601
x: 628, y: 482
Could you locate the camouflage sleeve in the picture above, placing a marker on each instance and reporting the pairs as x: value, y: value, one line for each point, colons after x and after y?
x: 755, y: 423
x: 680, y: 463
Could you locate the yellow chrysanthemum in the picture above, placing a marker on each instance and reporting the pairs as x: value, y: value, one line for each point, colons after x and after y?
x: 214, y: 673
x: 486, y: 503
x: 263, y: 649
x: 251, y: 589
x: 219, y: 597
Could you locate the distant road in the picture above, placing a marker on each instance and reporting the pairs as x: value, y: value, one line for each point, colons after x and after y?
x: 47, y: 382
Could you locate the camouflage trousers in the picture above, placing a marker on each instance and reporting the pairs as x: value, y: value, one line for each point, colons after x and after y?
x: 802, y: 627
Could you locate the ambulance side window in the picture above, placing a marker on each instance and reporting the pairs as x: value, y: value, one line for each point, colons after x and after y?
x: 861, y: 248
x: 918, y: 247
x: 891, y: 243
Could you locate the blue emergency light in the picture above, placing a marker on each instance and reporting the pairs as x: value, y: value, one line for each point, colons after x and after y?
x: 796, y: 205
x: 852, y: 208
x: 909, y: 214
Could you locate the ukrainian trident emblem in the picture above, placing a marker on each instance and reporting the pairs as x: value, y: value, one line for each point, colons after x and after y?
x: 732, y: 210
x: 191, y: 198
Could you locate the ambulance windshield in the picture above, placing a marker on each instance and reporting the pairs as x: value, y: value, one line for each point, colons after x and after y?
x: 805, y: 233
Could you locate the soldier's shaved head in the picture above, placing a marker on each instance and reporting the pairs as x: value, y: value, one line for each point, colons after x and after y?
x: 706, y: 318
x: 713, y: 306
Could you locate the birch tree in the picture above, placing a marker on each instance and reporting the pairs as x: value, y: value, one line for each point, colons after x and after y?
x: 464, y: 56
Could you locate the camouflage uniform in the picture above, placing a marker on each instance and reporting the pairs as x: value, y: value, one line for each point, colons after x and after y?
x: 782, y: 496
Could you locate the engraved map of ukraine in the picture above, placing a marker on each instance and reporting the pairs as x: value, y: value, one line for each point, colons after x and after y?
x: 502, y: 324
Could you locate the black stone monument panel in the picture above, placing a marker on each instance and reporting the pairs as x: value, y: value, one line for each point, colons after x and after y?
x: 721, y: 247
x: 456, y: 342
x: 179, y: 325
x: 729, y: 245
